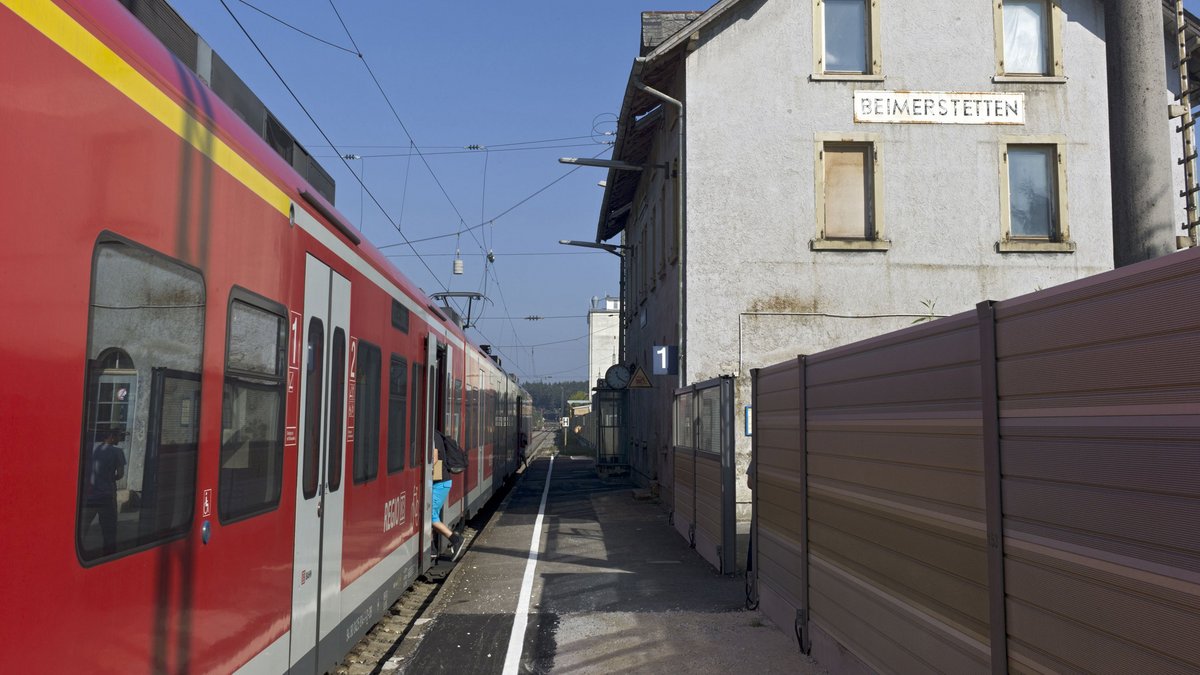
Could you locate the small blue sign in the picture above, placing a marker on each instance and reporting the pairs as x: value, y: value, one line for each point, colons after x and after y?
x: 749, y: 423
x: 665, y: 360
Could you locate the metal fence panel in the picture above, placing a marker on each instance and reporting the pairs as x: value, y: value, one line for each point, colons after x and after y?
x: 1023, y: 477
x: 703, y: 456
x: 684, y: 513
x: 709, y: 509
x: 780, y: 507
x: 896, y: 497
x: 1100, y: 438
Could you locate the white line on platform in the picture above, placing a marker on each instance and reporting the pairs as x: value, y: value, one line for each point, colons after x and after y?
x: 516, y: 641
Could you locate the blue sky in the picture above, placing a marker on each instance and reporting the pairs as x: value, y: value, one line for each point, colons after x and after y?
x: 513, y: 77
x: 500, y: 75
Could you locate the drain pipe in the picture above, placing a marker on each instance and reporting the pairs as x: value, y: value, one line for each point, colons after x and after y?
x: 680, y: 208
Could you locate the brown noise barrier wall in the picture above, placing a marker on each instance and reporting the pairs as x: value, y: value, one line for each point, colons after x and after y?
x: 1011, y: 489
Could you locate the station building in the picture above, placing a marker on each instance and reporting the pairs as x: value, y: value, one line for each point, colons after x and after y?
x: 793, y: 175
x: 603, y: 319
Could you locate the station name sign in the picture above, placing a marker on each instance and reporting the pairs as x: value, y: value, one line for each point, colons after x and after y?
x: 938, y: 107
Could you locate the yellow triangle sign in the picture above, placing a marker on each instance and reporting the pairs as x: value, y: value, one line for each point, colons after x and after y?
x: 639, y: 379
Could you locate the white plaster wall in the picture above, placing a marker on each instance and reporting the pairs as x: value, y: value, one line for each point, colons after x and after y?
x: 603, y: 339
x: 756, y: 293
x: 752, y: 117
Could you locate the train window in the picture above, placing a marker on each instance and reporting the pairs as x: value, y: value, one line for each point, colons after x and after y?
x: 469, y: 431
x: 137, y: 469
x: 418, y: 423
x: 337, y: 409
x: 251, y: 476
x: 366, y: 413
x: 456, y: 430
x: 399, y: 316
x: 312, y: 414
x: 397, y: 398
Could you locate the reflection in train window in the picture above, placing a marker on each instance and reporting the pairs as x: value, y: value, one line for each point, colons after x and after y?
x: 140, y: 421
x: 251, y: 475
x: 366, y: 413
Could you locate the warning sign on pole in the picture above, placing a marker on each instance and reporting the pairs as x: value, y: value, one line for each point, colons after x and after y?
x: 639, y: 379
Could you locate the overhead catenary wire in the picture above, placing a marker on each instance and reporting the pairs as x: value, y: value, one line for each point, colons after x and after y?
x: 498, y: 216
x: 576, y: 369
x: 404, y: 127
x: 425, y: 152
x: 461, y: 146
x: 298, y: 30
x: 515, y: 363
x: 321, y: 131
x: 539, y: 318
x: 544, y: 344
x: 388, y: 100
x: 504, y: 254
x: 414, y: 147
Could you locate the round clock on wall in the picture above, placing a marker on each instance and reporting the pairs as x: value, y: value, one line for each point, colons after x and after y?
x: 617, y: 376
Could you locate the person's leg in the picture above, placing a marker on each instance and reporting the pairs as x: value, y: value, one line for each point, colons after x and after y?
x: 441, y: 490
x: 108, y: 526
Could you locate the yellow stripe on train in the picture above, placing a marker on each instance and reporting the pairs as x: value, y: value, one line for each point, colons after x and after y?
x: 77, y: 41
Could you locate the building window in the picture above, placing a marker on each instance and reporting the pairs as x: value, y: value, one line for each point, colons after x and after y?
x: 848, y: 199
x: 1033, y: 198
x: 137, y: 460
x: 846, y: 39
x: 1028, y: 39
x: 251, y: 475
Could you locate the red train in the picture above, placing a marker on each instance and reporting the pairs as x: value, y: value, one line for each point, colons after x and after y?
x: 218, y: 402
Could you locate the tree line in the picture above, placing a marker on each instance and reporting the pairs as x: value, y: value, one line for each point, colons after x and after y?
x: 551, y: 395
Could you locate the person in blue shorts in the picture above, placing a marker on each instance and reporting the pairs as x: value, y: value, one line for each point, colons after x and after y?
x: 441, y: 490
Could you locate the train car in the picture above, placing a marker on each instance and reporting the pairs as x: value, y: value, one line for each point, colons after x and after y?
x: 219, y: 403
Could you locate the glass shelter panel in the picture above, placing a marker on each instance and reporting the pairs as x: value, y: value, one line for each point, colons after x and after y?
x: 709, y: 418
x: 684, y: 418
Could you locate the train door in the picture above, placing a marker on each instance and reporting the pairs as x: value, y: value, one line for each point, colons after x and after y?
x: 478, y: 422
x: 435, y: 359
x: 316, y: 571
x: 522, y: 432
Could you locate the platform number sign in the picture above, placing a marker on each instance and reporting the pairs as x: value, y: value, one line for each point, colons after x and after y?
x: 666, y: 360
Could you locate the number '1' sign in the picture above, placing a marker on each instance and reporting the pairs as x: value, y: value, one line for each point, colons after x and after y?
x: 666, y: 360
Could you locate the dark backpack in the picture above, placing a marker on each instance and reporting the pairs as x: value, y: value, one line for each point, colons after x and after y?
x: 454, y: 458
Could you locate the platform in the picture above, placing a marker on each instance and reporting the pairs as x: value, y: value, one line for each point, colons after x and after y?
x: 611, y: 587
